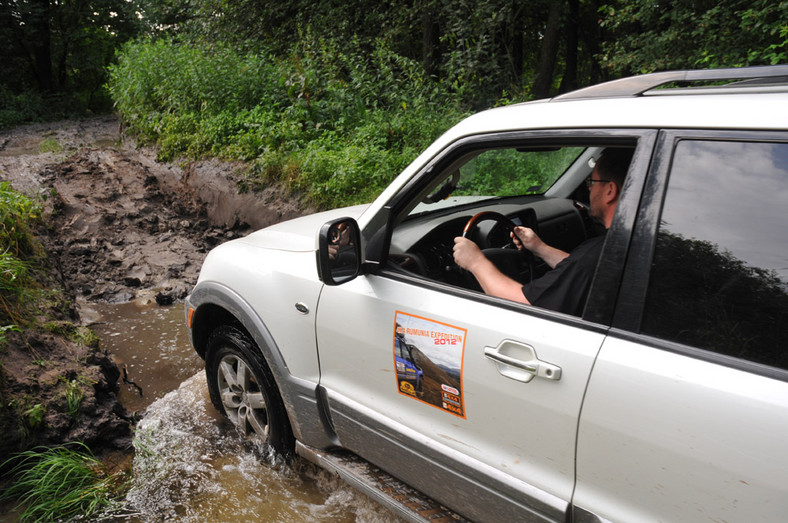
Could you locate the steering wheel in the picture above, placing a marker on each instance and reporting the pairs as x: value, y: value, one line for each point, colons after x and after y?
x: 517, y: 264
x: 489, y: 215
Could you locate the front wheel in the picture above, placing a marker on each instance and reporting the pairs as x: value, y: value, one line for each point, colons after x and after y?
x: 242, y: 388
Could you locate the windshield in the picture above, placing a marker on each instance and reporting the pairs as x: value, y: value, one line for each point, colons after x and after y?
x: 498, y: 173
x: 513, y: 172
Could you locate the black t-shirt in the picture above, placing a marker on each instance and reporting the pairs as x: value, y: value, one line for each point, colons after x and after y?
x: 565, y: 288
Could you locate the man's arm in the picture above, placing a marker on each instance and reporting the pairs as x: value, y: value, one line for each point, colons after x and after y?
x: 493, y: 282
x: 524, y: 237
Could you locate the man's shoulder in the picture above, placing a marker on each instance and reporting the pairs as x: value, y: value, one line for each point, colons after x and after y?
x: 590, y: 247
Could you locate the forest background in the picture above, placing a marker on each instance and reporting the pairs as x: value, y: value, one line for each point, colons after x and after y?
x: 333, y: 98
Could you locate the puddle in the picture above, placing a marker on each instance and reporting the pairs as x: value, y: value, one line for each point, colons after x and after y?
x: 190, y: 464
x: 152, y: 344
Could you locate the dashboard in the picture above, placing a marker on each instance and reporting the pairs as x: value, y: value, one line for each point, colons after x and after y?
x: 423, y: 244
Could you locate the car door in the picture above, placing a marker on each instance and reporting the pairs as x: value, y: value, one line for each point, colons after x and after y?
x: 484, y: 417
x: 686, y: 413
x: 474, y: 432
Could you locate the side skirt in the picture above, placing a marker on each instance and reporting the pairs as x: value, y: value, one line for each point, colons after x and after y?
x: 402, y: 500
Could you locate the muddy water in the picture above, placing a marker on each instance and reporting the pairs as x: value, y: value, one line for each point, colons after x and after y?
x: 151, y: 343
x: 190, y: 465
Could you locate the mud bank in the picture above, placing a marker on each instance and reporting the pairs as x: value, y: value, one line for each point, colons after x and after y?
x: 121, y: 226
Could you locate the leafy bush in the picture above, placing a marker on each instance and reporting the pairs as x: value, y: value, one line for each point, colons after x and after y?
x: 335, y: 125
x: 17, y: 109
x: 648, y: 36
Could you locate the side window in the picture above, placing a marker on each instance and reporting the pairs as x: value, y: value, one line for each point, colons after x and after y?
x: 719, y: 279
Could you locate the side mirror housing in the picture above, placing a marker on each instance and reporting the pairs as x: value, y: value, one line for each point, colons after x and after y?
x: 339, y: 251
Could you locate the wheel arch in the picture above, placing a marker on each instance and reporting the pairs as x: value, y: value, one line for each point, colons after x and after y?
x: 215, y: 304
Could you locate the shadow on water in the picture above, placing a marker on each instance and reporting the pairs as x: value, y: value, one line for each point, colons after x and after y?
x: 190, y: 464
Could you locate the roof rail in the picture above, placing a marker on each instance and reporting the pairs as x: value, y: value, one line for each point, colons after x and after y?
x: 637, y: 85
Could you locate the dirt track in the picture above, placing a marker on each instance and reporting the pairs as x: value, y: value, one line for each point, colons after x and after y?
x: 121, y: 227
x: 124, y: 225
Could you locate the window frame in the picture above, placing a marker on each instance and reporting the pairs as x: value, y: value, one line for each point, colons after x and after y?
x: 631, y: 302
x: 606, y: 281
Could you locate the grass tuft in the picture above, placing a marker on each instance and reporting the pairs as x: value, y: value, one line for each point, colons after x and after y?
x: 55, y: 484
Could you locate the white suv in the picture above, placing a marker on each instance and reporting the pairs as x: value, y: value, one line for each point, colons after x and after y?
x: 353, y: 335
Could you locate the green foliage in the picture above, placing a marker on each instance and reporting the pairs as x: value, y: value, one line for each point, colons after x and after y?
x: 3, y: 330
x: 334, y: 124
x: 49, y: 145
x: 86, y: 337
x: 651, y: 36
x: 13, y: 277
x: 78, y: 334
x: 18, y: 215
x: 57, y: 484
x: 32, y: 106
x: 19, y: 250
x: 331, y: 101
x: 34, y: 415
x: 74, y: 396
x: 55, y: 55
x: 16, y: 109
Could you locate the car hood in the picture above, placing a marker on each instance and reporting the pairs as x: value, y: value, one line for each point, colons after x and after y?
x: 299, y: 234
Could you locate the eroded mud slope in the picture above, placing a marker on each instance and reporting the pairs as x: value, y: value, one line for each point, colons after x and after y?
x: 121, y: 226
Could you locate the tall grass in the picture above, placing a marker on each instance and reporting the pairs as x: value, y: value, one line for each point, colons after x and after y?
x: 333, y: 123
x: 57, y: 484
x: 20, y: 253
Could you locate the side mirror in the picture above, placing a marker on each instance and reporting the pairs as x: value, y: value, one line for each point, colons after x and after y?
x: 339, y: 251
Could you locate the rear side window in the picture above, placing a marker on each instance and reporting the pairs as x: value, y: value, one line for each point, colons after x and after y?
x: 719, y: 279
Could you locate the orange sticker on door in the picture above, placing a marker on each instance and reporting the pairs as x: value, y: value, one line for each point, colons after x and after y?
x: 428, y: 358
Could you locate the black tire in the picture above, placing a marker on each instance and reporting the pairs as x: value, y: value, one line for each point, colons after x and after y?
x: 243, y: 389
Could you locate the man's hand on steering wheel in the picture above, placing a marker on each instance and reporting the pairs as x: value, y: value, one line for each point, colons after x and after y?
x: 468, y: 255
x: 526, y: 238
x: 476, y: 219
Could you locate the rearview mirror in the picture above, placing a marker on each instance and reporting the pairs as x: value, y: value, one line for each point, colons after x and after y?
x: 339, y: 251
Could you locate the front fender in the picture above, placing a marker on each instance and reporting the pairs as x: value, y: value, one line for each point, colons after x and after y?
x: 212, y: 304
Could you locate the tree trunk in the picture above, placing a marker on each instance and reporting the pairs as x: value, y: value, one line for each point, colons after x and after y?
x: 592, y: 35
x: 42, y: 57
x: 569, y: 80
x: 518, y: 55
x: 430, y: 49
x: 547, y: 55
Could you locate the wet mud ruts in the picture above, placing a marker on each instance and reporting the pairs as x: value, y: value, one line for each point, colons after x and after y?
x: 121, y: 226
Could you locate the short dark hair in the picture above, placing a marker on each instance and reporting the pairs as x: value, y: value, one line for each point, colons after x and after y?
x: 614, y: 164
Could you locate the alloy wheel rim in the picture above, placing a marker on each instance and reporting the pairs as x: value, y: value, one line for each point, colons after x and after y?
x: 242, y: 397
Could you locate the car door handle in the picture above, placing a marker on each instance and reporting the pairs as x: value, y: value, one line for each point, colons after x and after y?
x: 518, y: 361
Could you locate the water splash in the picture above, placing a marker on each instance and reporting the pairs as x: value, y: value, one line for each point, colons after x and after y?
x: 192, y: 466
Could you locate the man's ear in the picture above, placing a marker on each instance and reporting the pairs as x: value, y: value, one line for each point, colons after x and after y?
x: 611, y: 192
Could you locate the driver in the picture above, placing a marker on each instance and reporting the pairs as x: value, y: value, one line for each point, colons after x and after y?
x: 565, y: 287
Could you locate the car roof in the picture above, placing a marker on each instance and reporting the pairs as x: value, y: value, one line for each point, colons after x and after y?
x: 640, y: 102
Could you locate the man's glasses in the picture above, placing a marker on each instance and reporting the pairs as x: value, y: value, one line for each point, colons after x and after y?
x: 590, y: 181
